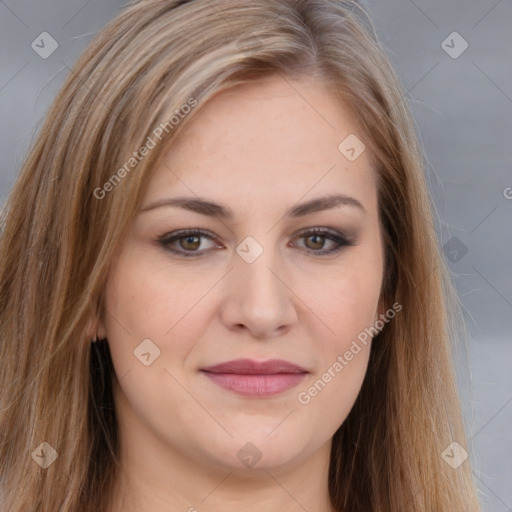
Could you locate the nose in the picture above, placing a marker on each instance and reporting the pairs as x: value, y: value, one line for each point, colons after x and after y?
x: 258, y: 297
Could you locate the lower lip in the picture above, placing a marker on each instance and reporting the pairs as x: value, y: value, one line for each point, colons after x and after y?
x: 256, y: 385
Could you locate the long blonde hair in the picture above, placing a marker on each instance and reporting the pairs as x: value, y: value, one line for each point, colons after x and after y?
x: 59, y: 239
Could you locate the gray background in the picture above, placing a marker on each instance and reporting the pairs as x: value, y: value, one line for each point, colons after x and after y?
x: 463, y: 107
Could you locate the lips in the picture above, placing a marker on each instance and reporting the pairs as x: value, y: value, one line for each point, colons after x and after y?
x: 256, y: 378
x: 249, y: 367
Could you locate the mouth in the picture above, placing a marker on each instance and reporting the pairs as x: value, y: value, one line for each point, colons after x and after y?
x: 252, y: 378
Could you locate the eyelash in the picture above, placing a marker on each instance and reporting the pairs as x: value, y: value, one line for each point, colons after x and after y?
x: 340, y: 240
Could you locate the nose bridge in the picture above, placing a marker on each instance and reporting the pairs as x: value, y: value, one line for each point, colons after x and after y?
x: 256, y: 267
x: 260, y: 300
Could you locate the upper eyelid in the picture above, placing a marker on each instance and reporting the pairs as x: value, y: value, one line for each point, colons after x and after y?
x: 207, y: 234
x: 335, y: 236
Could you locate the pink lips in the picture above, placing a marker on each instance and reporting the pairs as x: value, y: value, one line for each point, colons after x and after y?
x: 253, y: 378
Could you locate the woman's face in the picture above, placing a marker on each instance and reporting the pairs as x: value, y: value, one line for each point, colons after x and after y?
x: 255, y: 285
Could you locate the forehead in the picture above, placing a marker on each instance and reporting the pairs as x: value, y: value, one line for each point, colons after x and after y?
x: 277, y: 135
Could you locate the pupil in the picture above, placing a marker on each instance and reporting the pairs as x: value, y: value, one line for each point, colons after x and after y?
x: 317, y: 237
x: 188, y: 241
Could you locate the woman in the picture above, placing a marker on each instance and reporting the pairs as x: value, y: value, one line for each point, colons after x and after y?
x: 221, y: 285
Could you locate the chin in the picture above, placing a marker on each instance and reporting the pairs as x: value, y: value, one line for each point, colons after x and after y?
x: 251, y: 451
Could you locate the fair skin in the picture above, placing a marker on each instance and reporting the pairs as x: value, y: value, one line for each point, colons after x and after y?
x: 259, y: 150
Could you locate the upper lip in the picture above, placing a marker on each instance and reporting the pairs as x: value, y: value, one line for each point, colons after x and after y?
x: 251, y: 367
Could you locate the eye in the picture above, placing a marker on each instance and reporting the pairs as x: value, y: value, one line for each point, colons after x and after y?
x: 188, y: 242
x: 315, y: 240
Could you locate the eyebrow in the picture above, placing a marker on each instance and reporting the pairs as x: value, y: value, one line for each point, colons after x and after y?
x: 210, y: 208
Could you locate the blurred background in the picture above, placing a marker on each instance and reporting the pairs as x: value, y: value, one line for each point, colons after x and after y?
x: 455, y: 61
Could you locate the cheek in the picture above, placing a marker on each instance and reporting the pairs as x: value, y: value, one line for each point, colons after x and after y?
x: 348, y: 306
x: 328, y: 397
x: 347, y: 301
x: 349, y: 311
x: 146, y: 299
